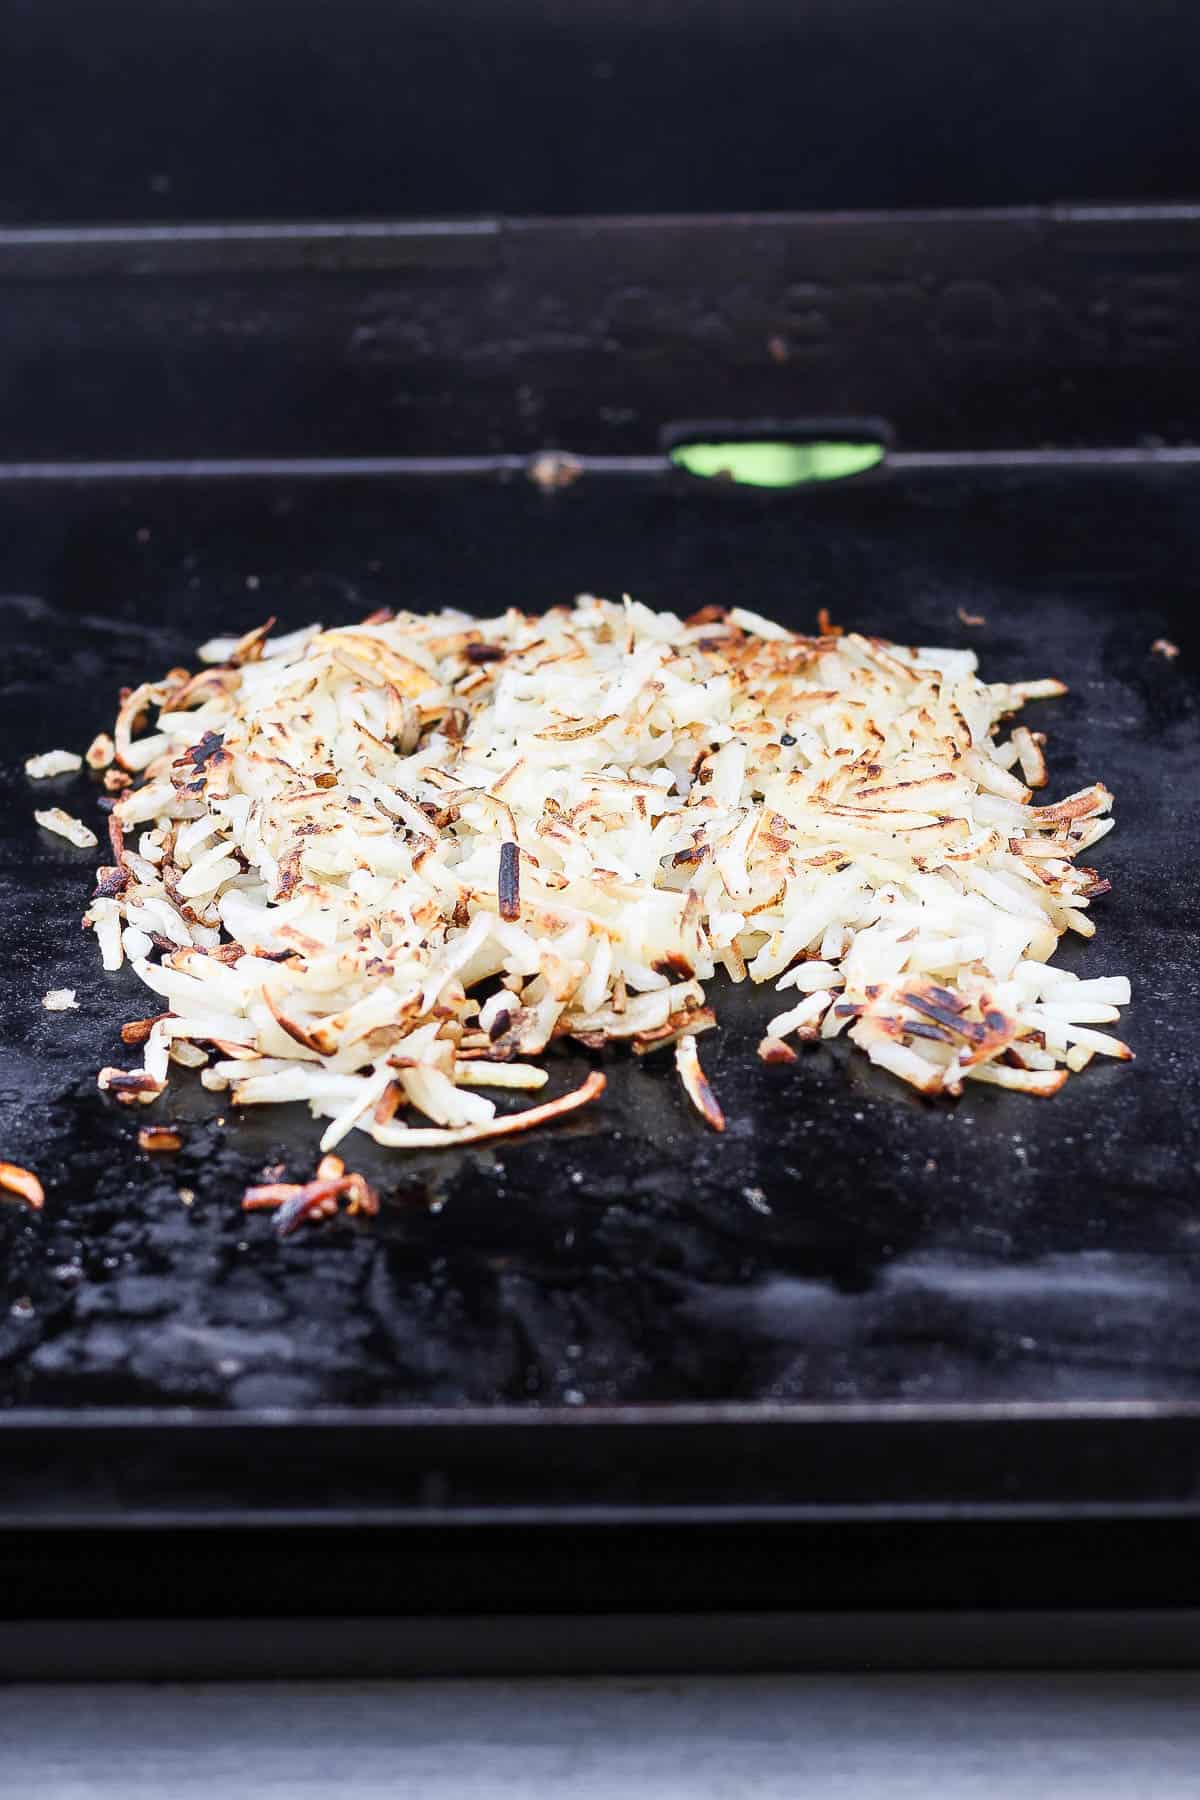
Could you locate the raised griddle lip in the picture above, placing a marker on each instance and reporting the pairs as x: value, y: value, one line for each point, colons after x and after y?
x: 681, y: 1414
x: 610, y: 1468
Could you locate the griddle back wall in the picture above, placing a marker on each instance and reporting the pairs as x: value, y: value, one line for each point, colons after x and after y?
x: 1017, y: 330
x: 224, y: 109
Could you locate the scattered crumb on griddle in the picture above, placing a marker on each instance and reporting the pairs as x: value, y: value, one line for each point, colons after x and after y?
x: 132, y: 1087
x: 160, y: 1139
x: 695, y: 1082
x: 1165, y: 648
x: 52, y: 762
x: 63, y: 825
x: 60, y: 1000
x: 136, y: 1031
x: 22, y: 1184
x: 970, y: 618
x: 294, y: 1203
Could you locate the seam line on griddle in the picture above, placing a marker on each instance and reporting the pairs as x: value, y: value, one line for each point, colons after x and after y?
x: 441, y: 467
x: 1112, y: 457
x: 240, y: 468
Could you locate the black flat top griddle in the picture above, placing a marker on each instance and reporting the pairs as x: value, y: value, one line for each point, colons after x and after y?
x: 844, y: 1240
x: 861, y: 1349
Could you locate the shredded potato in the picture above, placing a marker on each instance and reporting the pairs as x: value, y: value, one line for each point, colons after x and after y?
x: 23, y: 1184
x: 52, y: 762
x: 64, y: 825
x: 379, y: 869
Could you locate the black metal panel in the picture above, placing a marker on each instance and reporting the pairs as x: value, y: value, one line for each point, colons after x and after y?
x: 567, y: 1567
x: 959, y: 331
x: 245, y: 108
x: 765, y: 1463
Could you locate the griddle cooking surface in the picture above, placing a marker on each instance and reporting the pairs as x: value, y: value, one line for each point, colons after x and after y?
x: 844, y: 1240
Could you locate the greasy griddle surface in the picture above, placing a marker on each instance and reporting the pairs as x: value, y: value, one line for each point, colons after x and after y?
x: 844, y: 1239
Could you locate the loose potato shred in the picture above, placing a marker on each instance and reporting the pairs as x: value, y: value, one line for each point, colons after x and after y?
x: 17, y: 1183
